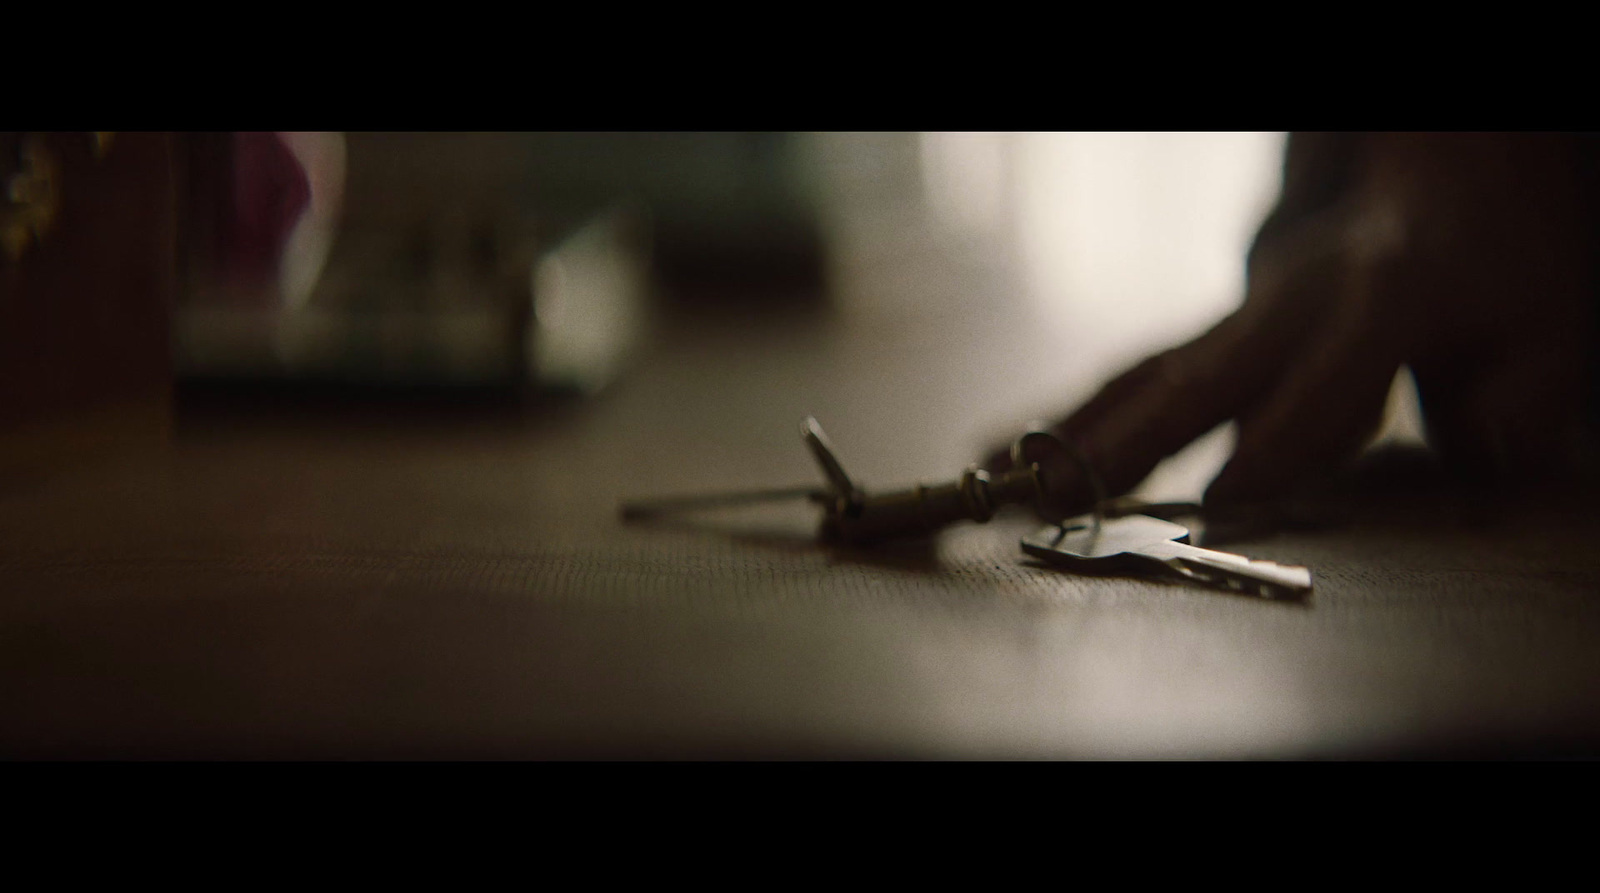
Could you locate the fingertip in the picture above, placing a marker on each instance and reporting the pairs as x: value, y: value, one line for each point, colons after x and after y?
x: 1068, y: 481
x: 1242, y: 481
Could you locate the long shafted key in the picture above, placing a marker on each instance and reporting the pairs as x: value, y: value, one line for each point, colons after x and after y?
x: 1140, y: 542
x: 854, y: 515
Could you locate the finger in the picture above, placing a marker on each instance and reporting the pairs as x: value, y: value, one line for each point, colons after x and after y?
x: 1326, y: 408
x: 1297, y: 291
x: 1153, y: 410
x: 1151, y: 373
x: 1159, y: 406
x: 1164, y: 369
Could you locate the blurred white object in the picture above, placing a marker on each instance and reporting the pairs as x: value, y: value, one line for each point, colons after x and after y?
x: 456, y: 305
x: 322, y: 155
x: 1141, y: 231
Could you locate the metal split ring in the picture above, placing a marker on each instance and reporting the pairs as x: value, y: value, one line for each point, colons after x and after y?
x: 1079, y: 455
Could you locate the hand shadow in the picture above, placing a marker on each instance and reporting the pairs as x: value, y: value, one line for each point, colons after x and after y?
x: 1386, y: 482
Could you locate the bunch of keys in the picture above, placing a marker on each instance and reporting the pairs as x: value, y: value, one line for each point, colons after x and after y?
x: 1119, y: 536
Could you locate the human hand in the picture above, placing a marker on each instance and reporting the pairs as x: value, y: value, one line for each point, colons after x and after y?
x: 1465, y: 257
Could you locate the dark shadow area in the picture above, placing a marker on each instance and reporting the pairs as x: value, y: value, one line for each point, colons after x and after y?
x: 1579, y: 742
x: 918, y: 555
x: 205, y: 405
x: 1392, y: 484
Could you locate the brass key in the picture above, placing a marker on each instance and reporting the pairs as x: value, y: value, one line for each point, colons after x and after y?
x: 853, y: 515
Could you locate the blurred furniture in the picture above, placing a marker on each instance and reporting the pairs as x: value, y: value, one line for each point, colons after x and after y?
x: 421, y: 260
x: 87, y: 275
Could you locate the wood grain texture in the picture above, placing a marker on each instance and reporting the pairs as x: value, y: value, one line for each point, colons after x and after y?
x: 353, y: 582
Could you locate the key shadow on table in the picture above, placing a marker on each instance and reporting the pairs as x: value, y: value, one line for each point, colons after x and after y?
x: 1303, y: 602
x: 917, y: 555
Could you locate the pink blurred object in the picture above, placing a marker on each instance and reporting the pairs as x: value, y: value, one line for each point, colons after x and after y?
x: 271, y: 191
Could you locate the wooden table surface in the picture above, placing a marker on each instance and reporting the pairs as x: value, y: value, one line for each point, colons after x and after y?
x: 351, y: 581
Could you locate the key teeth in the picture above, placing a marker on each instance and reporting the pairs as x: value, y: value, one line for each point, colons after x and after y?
x: 1263, y: 588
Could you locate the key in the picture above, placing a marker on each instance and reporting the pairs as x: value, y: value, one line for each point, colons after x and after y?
x: 839, y: 496
x: 1140, y: 542
x: 853, y: 515
x: 860, y: 517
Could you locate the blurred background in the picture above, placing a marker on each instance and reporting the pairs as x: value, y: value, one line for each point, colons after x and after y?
x: 553, y: 261
x: 361, y: 408
x: 539, y: 264
x: 424, y: 237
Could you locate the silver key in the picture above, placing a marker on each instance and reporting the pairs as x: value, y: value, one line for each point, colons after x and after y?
x: 1140, y: 542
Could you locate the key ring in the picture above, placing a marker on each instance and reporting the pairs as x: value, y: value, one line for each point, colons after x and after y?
x: 1079, y: 454
x: 855, y: 515
x: 1104, y: 506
